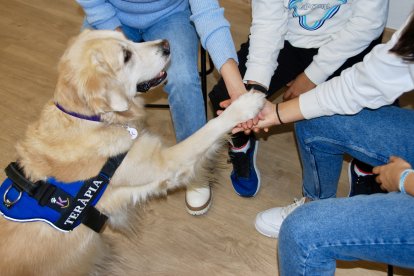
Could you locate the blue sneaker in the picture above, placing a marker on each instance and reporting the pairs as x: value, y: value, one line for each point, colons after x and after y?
x: 245, y: 175
x: 362, y: 185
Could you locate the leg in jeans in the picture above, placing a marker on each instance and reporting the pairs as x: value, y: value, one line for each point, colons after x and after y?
x: 318, y: 233
x: 183, y: 85
x: 371, y: 136
x: 184, y: 92
x: 359, y: 228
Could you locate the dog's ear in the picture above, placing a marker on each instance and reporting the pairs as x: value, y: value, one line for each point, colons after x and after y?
x: 102, y: 89
x: 88, y: 80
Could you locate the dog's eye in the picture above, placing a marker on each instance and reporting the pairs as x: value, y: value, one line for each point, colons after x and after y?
x: 127, y: 55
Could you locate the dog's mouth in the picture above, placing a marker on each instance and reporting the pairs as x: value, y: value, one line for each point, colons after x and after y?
x: 147, y: 85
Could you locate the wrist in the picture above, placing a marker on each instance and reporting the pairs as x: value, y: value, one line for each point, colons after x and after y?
x: 277, y: 112
x: 403, y: 178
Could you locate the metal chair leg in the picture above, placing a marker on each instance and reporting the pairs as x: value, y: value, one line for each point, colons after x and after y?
x: 390, y: 270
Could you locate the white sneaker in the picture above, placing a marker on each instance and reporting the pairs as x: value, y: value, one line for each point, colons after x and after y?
x: 198, y: 199
x: 269, y: 221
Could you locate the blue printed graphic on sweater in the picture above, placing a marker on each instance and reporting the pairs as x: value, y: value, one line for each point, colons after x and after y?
x: 325, y: 10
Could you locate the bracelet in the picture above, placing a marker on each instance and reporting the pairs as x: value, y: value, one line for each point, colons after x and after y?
x: 255, y: 86
x: 403, y: 176
x: 277, y: 113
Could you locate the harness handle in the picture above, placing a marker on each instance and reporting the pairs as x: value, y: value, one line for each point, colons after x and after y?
x: 14, y: 172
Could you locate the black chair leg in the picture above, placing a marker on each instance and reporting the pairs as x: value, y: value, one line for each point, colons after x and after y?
x: 203, y: 76
x: 390, y: 270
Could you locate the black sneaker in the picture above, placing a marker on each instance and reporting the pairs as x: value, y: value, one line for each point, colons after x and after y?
x: 362, y: 185
x: 245, y: 176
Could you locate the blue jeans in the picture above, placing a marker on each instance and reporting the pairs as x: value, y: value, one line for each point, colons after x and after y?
x: 371, y: 136
x: 376, y: 227
x: 183, y: 84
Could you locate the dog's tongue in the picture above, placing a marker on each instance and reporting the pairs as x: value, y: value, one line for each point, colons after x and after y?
x: 145, y: 86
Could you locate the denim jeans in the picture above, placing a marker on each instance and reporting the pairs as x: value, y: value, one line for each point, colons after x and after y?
x: 183, y: 82
x: 376, y: 227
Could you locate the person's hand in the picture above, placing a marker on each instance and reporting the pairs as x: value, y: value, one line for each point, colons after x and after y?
x: 389, y: 174
x: 267, y: 117
x: 299, y: 85
x: 246, y: 125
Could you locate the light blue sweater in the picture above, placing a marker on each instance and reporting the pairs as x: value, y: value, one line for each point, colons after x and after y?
x: 208, y: 17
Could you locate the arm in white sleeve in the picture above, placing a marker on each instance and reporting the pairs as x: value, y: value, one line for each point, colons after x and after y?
x: 377, y: 81
x: 366, y: 24
x: 267, y: 35
x: 100, y: 14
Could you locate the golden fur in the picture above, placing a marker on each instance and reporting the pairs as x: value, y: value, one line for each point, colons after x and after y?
x: 95, y: 79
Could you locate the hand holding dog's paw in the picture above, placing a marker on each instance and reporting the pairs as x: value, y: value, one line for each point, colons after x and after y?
x: 246, y: 107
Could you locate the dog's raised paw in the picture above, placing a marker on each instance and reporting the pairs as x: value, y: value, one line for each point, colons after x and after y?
x: 246, y: 107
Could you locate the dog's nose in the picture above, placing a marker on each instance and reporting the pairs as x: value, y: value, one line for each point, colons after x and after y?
x: 165, y: 47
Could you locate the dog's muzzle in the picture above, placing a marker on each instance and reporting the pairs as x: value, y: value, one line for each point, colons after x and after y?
x: 147, y: 85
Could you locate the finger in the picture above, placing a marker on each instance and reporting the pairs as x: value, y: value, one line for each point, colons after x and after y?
x: 236, y: 129
x: 219, y: 112
x: 225, y: 103
x: 294, y: 95
x: 260, y: 116
x: 376, y: 170
x: 250, y: 124
x: 393, y: 158
x: 247, y: 132
x: 378, y: 179
x: 289, y: 84
x: 288, y: 94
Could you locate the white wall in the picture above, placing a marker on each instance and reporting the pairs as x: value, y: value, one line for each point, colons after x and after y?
x: 398, y: 12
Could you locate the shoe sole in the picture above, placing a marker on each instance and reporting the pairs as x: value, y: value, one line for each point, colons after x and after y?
x: 264, y: 233
x: 198, y: 211
x: 256, y: 149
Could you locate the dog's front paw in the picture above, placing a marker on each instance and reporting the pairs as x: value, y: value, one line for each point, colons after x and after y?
x: 246, y: 107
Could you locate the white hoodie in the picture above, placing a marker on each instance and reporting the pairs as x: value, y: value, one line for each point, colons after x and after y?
x: 376, y: 81
x: 339, y: 28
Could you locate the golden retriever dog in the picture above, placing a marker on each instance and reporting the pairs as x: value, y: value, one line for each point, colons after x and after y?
x: 97, y: 114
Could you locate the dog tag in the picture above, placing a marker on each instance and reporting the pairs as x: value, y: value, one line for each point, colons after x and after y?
x: 133, y: 132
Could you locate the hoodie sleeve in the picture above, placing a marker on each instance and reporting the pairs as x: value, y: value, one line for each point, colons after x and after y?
x: 214, y: 30
x: 267, y: 35
x: 100, y: 14
x: 376, y: 81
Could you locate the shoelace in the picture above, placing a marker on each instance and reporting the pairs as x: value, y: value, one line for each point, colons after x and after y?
x: 290, y: 208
